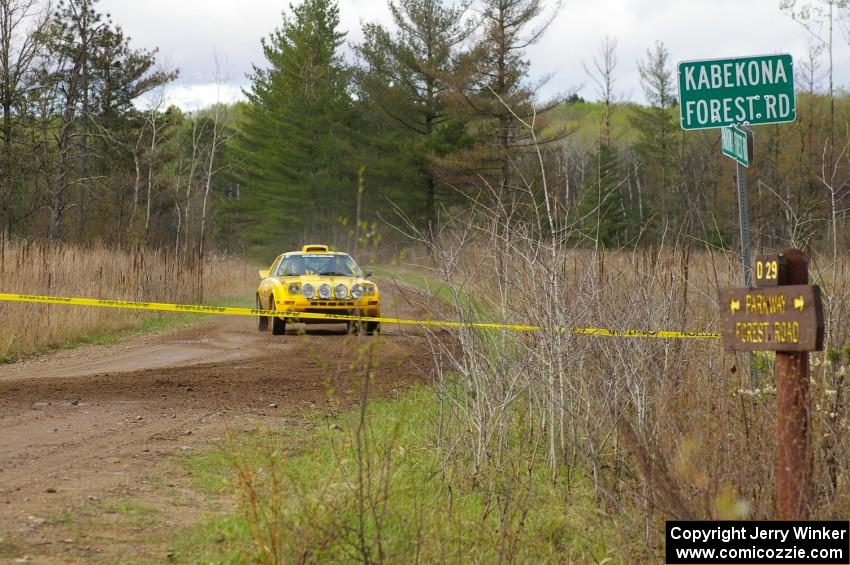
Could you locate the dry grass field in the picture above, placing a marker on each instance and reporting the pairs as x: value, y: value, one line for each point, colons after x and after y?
x: 664, y: 428
x: 102, y: 272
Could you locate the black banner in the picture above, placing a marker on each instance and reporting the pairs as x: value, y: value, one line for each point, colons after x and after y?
x: 765, y: 542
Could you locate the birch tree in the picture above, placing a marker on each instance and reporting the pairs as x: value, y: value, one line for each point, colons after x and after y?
x: 22, y: 26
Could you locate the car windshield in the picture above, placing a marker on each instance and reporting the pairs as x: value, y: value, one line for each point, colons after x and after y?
x: 318, y: 264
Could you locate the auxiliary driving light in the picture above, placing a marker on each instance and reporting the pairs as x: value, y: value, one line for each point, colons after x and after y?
x: 324, y: 292
x: 341, y: 292
x: 356, y: 292
x: 307, y: 290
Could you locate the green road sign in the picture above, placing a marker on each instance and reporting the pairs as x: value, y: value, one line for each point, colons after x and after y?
x: 737, y: 143
x: 742, y: 90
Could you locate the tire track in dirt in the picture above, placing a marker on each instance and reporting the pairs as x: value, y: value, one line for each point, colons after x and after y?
x: 85, y: 425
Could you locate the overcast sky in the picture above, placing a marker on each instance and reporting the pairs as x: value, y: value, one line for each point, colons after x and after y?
x: 191, y: 34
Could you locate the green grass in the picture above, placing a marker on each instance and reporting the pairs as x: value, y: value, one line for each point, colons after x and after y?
x: 583, y: 119
x: 64, y: 517
x: 157, y: 322
x: 131, y: 511
x: 151, y: 322
x: 102, y: 336
x: 154, y: 323
x: 440, y: 291
x: 306, y: 488
x: 9, y: 550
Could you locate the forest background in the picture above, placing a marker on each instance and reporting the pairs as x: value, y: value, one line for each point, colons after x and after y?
x: 437, y: 111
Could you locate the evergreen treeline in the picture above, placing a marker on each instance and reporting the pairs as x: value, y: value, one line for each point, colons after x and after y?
x: 433, y: 111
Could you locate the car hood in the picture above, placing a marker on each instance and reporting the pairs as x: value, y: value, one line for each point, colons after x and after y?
x: 318, y: 280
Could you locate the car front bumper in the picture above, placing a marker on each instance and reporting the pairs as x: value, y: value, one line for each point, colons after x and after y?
x: 366, y: 307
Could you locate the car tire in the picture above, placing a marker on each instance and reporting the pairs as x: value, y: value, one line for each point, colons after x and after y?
x: 373, y: 328
x: 278, y: 325
x: 262, y: 321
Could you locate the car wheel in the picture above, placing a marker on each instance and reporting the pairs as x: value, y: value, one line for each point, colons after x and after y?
x: 262, y: 321
x: 373, y: 328
x: 278, y: 325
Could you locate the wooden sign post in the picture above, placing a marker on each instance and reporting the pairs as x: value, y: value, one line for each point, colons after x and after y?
x: 784, y: 314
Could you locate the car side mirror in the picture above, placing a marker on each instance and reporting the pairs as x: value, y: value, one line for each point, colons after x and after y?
x: 368, y: 273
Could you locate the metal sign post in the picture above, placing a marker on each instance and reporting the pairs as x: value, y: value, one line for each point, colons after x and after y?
x: 737, y: 144
x: 744, y: 220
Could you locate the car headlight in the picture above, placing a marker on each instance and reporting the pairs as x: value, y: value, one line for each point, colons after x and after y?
x: 324, y: 292
x: 307, y: 290
x: 294, y: 288
x: 356, y: 291
x: 368, y: 289
x: 341, y: 292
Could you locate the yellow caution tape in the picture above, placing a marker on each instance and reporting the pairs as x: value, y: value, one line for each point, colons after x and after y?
x: 236, y: 311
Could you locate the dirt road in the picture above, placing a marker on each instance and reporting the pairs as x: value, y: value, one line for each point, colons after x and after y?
x: 85, y: 431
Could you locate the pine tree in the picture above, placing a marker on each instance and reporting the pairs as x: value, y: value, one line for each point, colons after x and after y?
x: 657, y: 145
x: 294, y: 156
x: 405, y: 74
x: 603, y: 219
x: 494, y: 79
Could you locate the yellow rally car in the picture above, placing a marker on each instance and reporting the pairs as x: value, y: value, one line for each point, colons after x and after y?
x: 316, y: 280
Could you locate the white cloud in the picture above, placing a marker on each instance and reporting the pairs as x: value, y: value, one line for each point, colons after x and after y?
x: 191, y: 34
x: 690, y: 29
x: 198, y: 96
